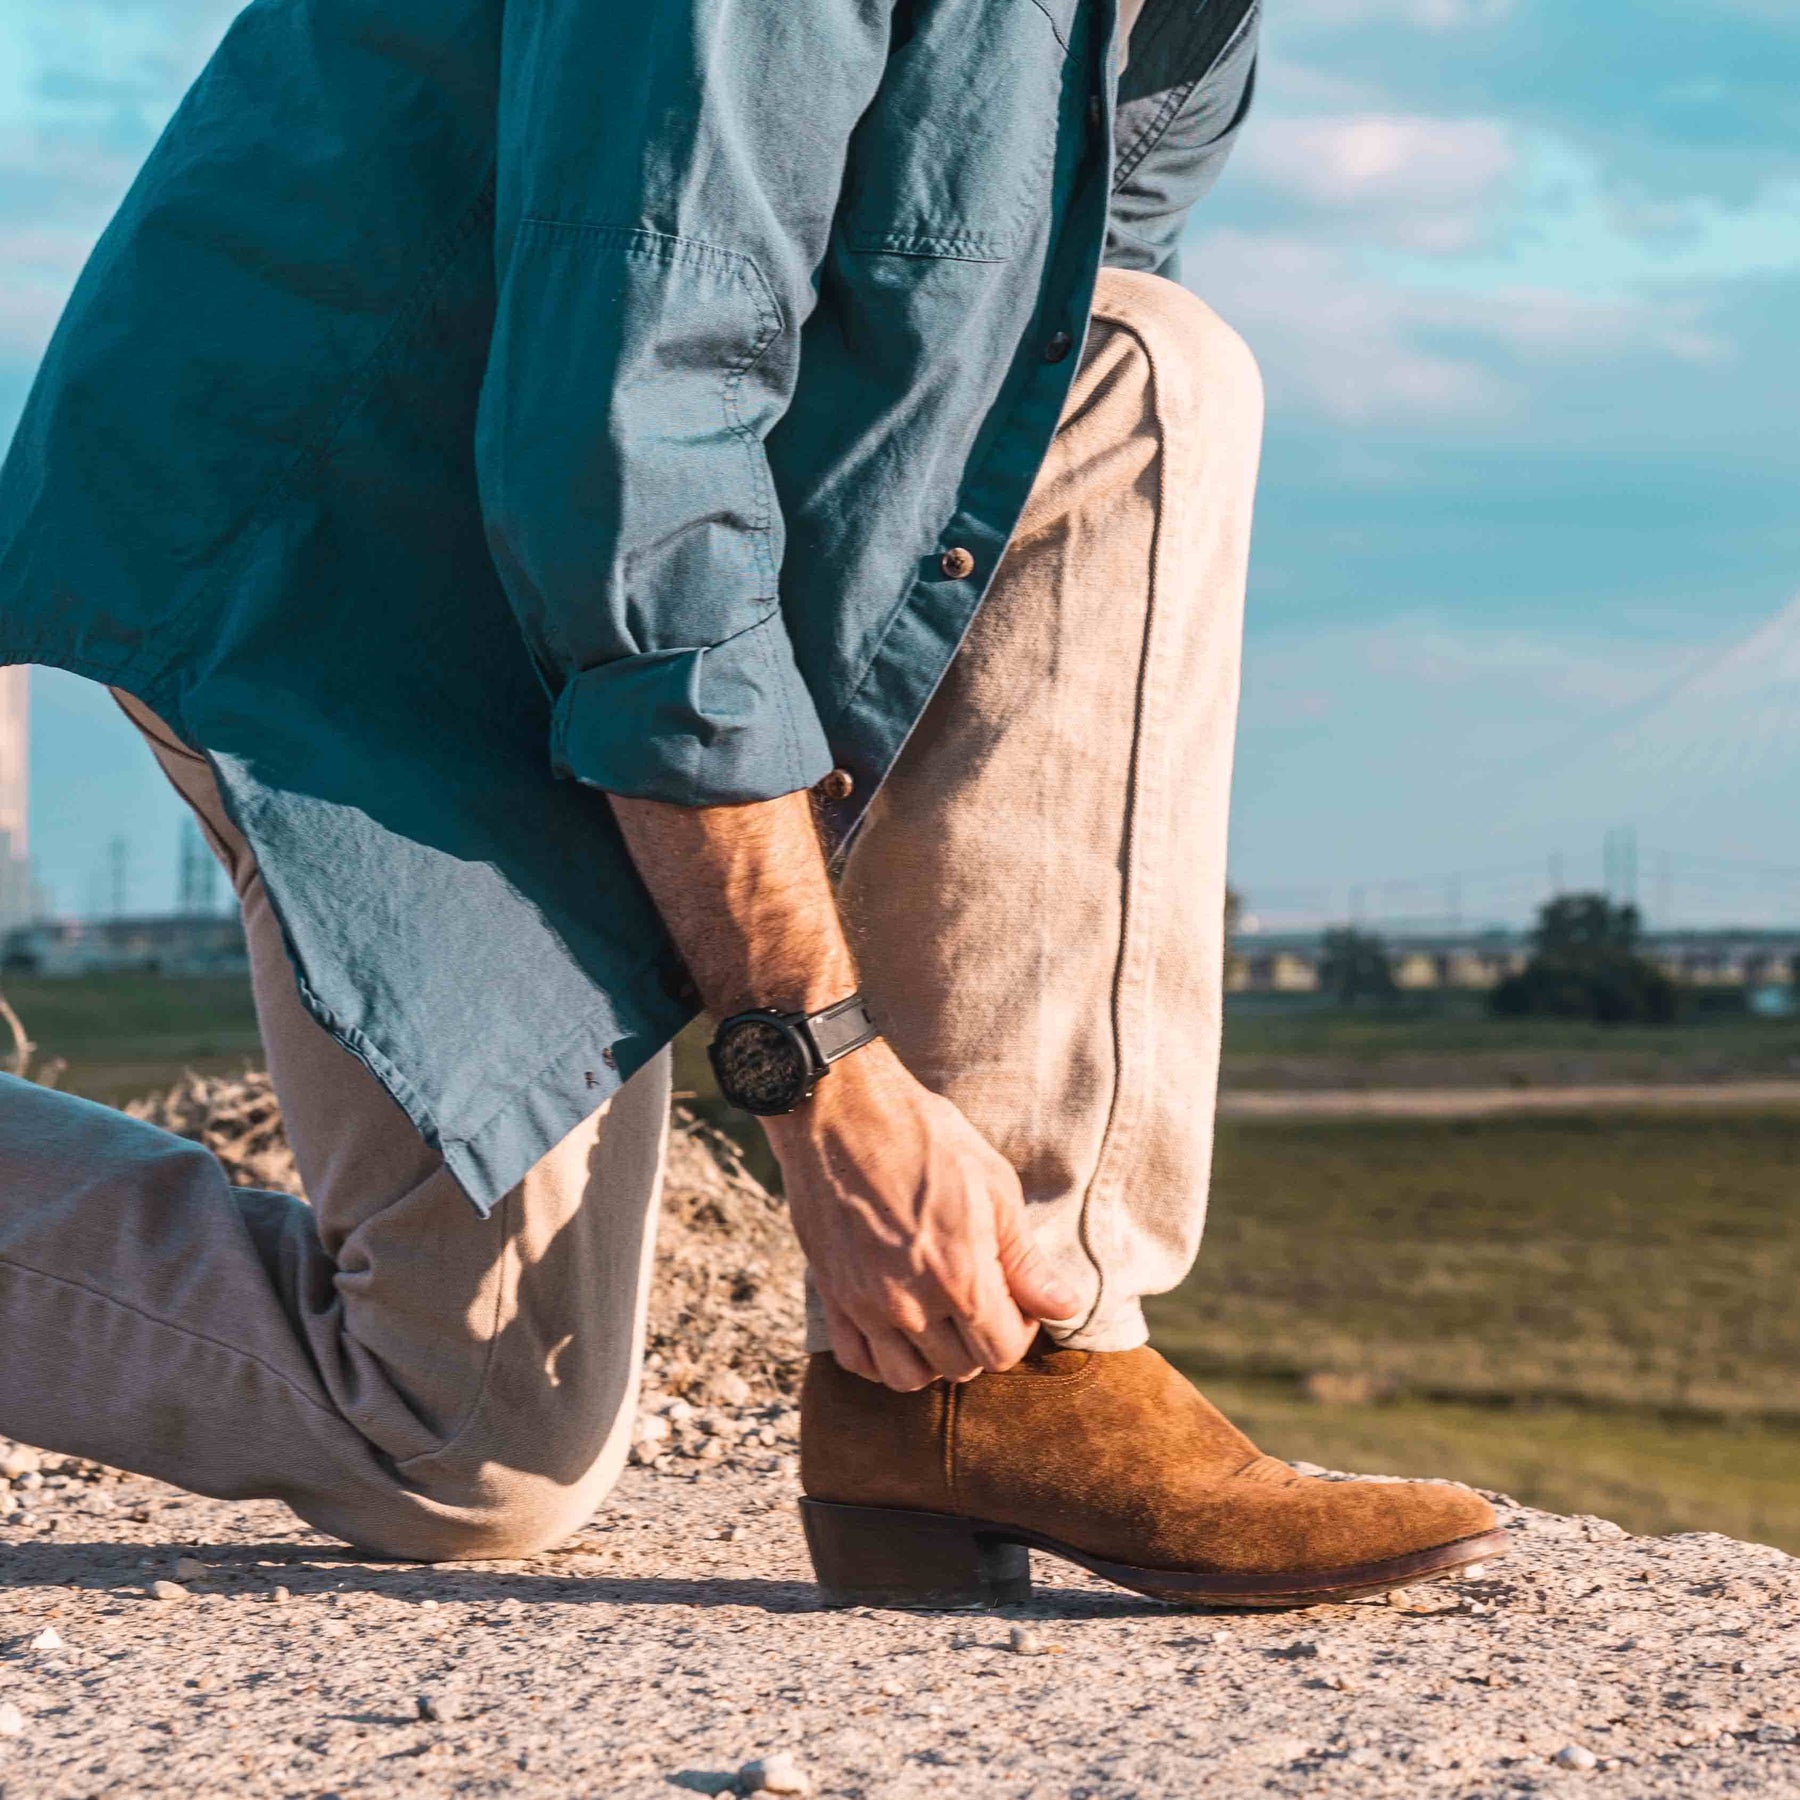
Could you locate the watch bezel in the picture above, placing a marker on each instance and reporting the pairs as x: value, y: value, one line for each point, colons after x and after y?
x: 787, y: 1026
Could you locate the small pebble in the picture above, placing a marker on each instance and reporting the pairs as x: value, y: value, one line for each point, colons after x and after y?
x: 1575, y: 1756
x: 190, y: 1568
x: 1474, y: 1572
x: 19, y: 1461
x: 1023, y: 1641
x: 778, y: 1773
x: 167, y: 1590
x: 48, y: 1639
x: 440, y: 1709
x: 12, y: 1721
x: 281, y: 1596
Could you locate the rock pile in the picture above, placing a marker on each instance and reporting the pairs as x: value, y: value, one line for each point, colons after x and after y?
x: 726, y: 1320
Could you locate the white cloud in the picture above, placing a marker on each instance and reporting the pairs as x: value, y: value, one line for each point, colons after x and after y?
x: 1433, y: 185
x: 1360, y: 345
x: 1427, y: 15
x: 1332, y: 339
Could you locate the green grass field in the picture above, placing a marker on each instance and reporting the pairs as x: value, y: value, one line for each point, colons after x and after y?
x: 125, y: 1035
x: 1594, y: 1312
x: 1450, y: 1041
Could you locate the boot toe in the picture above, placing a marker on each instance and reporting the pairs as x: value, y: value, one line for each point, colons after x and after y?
x: 1351, y: 1524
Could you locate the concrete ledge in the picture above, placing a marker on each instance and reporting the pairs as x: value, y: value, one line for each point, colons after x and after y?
x: 677, y: 1639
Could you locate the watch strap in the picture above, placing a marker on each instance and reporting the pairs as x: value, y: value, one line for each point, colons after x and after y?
x: 839, y: 1029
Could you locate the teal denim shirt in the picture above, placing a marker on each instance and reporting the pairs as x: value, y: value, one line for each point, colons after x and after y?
x: 477, y: 407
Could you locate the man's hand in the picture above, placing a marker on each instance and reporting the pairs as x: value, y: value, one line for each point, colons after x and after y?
x: 914, y: 1227
x: 913, y: 1223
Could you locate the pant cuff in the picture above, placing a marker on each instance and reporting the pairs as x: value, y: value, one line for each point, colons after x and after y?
x: 1118, y: 1328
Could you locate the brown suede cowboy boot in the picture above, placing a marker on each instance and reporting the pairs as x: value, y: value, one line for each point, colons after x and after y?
x: 1111, y: 1460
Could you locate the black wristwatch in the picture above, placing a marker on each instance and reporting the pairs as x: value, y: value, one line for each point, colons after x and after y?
x: 767, y: 1062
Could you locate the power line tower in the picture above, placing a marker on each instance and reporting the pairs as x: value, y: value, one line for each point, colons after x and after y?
x: 199, y: 873
x: 1619, y: 857
x: 118, y: 876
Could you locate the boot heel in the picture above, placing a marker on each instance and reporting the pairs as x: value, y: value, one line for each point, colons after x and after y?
x: 876, y: 1556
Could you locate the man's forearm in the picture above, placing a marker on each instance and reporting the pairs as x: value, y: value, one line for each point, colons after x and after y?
x: 744, y: 893
x: 913, y: 1224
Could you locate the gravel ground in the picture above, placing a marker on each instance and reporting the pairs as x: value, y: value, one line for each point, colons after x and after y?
x: 153, y: 1643
x: 678, y: 1637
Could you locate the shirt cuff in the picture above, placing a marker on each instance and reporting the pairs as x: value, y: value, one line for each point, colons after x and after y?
x: 715, y: 726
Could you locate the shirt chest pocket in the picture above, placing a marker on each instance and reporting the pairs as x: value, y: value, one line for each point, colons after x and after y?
x: 955, y: 156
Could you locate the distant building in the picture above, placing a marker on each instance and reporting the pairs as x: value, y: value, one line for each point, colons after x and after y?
x: 171, y: 945
x: 1758, y: 962
x: 20, y: 900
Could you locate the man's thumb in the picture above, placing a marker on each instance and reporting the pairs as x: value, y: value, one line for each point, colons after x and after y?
x: 1037, y: 1289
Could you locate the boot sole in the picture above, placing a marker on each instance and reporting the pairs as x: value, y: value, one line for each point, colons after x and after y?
x: 881, y: 1556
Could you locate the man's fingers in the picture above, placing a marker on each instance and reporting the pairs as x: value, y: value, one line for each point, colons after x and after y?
x: 848, y: 1345
x: 1040, y: 1292
x: 943, y: 1346
x: 898, y: 1364
x: 995, y: 1329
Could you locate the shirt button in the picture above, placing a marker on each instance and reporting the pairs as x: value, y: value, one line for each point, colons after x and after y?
x: 1058, y: 347
x: 957, y: 563
x: 840, y: 784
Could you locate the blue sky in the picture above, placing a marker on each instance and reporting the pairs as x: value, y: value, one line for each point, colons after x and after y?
x: 1522, y: 278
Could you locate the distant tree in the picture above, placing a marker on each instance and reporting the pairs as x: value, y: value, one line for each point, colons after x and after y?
x: 1236, y: 970
x: 1586, y: 964
x: 1354, y: 966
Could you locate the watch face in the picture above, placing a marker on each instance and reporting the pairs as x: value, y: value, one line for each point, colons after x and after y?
x: 761, y: 1065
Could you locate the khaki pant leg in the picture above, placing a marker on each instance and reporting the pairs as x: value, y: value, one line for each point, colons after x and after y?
x: 1037, y: 896
x: 406, y: 1374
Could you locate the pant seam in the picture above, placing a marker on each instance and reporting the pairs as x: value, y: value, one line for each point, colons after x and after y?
x: 181, y: 1331
x: 1132, y: 973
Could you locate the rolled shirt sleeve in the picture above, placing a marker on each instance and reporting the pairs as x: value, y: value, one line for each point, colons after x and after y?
x: 1183, y: 97
x: 666, y: 184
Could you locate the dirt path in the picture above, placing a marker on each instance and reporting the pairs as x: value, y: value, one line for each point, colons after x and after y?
x: 1476, y: 1103
x: 679, y: 1638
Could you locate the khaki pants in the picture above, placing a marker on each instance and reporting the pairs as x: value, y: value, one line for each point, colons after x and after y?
x: 1037, y: 899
